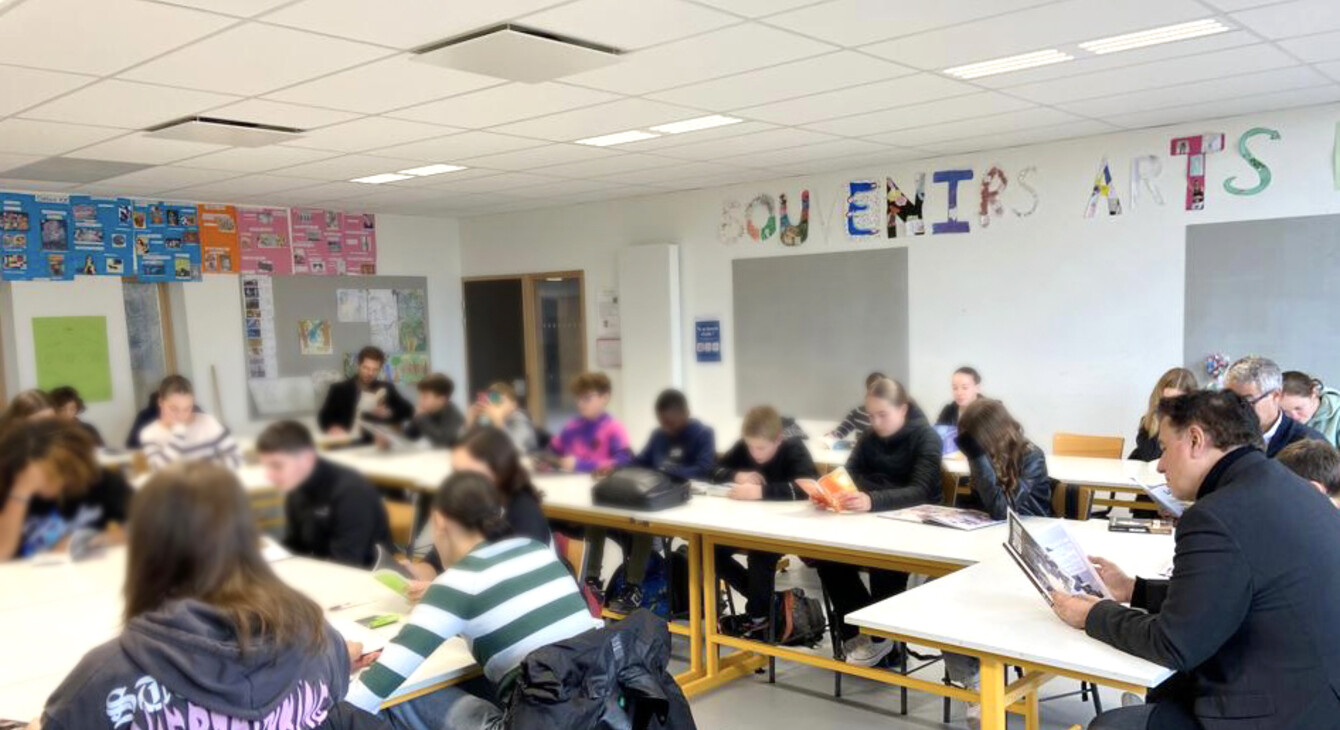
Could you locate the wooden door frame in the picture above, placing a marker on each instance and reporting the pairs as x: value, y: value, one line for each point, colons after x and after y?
x: 530, y: 334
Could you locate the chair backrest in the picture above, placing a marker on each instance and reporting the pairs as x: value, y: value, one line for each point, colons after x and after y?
x: 1076, y: 444
x: 948, y: 488
x: 1071, y: 502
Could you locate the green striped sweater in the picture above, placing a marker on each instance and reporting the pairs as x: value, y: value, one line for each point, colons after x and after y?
x: 506, y: 599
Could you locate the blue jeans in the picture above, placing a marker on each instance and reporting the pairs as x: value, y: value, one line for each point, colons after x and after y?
x: 452, y: 708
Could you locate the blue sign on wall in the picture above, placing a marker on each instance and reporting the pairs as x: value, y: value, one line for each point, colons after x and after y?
x: 707, y: 340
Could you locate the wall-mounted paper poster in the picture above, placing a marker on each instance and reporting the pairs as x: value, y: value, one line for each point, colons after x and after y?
x: 609, y: 353
x: 408, y: 367
x: 409, y: 304
x: 102, y: 234
x: 167, y: 242
x: 903, y: 214
x: 220, y: 251
x: 382, y: 308
x: 413, y: 336
x: 258, y: 326
x: 35, y: 237
x: 314, y: 337
x: 1103, y: 190
x: 794, y: 234
x: 1262, y: 171
x: 318, y: 242
x: 351, y: 305
x: 360, y: 243
x: 707, y: 339
x: 1194, y: 150
x: 263, y: 235
x: 73, y: 351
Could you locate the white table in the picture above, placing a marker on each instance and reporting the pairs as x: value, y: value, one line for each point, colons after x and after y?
x: 55, y: 613
x: 411, y: 469
x: 253, y: 478
x: 1116, y: 474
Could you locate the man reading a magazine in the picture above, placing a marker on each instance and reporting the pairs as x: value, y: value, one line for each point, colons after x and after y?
x: 1247, y: 616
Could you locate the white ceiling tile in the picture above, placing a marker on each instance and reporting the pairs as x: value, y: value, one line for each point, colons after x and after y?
x: 385, y: 85
x: 977, y: 125
x: 794, y: 155
x: 25, y: 87
x: 1230, y: 107
x: 99, y: 37
x: 345, y: 168
x: 386, y: 194
x: 551, y: 154
x: 403, y: 23
x: 324, y: 192
x: 857, y: 22
x: 997, y: 141
x: 126, y: 104
x: 671, y: 174
x: 1260, y: 57
x: 458, y: 147
x: 1300, y: 17
x: 710, y: 55
x: 628, y: 25
x: 761, y: 142
x: 1331, y: 69
x: 252, y: 59
x: 568, y: 187
x: 261, y: 111
x: 875, y: 163
x: 167, y: 177
x: 1312, y: 48
x: 503, y: 182
x: 756, y: 8
x: 26, y: 136
x: 608, y: 166
x: 506, y: 103
x: 368, y: 133
x: 242, y: 186
x: 33, y: 185
x: 1282, y: 79
x: 1229, y: 6
x: 257, y: 159
x: 666, y: 141
x: 920, y: 115
x: 786, y: 81
x: 1032, y: 29
x: 858, y: 99
x: 9, y: 161
x: 146, y: 150
x: 236, y: 8
x: 615, y: 116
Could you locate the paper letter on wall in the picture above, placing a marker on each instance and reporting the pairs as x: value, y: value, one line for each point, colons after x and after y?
x: 1022, y: 181
x: 1195, y: 149
x: 763, y: 202
x: 862, y: 208
x: 904, y: 214
x: 1143, y: 171
x: 732, y: 222
x: 795, y: 234
x: 1103, y: 190
x: 993, y: 184
x: 952, y: 178
x: 1262, y: 172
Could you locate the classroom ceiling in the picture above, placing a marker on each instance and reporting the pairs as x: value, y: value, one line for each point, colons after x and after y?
x: 820, y: 86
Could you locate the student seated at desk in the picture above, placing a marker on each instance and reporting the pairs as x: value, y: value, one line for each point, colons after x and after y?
x: 330, y: 511
x: 965, y: 385
x: 1247, y: 618
x: 1007, y: 471
x: 498, y: 407
x: 30, y: 404
x: 1316, y: 461
x: 212, y: 638
x: 761, y: 465
x: 363, y: 397
x: 1308, y: 400
x: 184, y: 433
x: 436, y: 418
x: 506, y: 596
x: 68, y: 405
x: 1174, y: 382
x: 1259, y: 381
x: 594, y: 439
x: 857, y: 421
x: 896, y: 465
x: 51, y: 486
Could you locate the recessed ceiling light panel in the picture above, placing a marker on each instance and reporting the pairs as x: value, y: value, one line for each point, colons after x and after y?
x: 518, y: 54
x: 606, y: 140
x: 1155, y: 36
x: 385, y: 177
x: 696, y: 124
x: 1009, y: 63
x: 73, y: 170
x: 427, y: 170
x: 231, y: 132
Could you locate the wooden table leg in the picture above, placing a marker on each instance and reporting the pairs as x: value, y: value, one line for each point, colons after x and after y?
x: 707, y: 550
x: 993, y: 694
x: 697, y: 638
x: 1032, y: 716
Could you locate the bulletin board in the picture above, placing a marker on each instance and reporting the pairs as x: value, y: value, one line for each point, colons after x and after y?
x: 312, y: 329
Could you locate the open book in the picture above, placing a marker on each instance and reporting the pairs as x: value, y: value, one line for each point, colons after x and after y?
x: 389, y: 572
x: 371, y: 639
x: 828, y: 489
x: 1162, y: 496
x: 934, y: 514
x: 1052, y: 560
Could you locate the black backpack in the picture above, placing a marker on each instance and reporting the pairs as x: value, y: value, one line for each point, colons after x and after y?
x: 639, y: 489
x: 796, y: 619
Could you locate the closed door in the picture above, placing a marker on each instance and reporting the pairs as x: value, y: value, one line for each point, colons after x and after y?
x: 495, y: 335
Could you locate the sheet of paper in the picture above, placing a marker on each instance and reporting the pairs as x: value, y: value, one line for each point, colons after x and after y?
x: 352, y: 305
x: 382, y: 306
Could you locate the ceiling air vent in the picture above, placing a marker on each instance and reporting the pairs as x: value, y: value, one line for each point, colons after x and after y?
x: 223, y: 131
x: 517, y: 54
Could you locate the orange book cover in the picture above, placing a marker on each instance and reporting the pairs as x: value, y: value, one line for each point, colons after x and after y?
x: 827, y: 490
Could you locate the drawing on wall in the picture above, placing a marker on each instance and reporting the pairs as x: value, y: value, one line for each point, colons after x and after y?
x: 314, y: 337
x: 408, y: 367
x: 381, y: 306
x: 1145, y: 169
x: 1103, y: 190
x: 951, y: 178
x: 731, y: 229
x: 994, y: 183
x: 794, y: 235
x: 762, y: 203
x: 1021, y: 180
x: 410, y: 304
x: 412, y: 337
x: 904, y: 215
x: 1262, y: 171
x: 351, y: 305
x: 1195, y: 149
x: 863, y: 208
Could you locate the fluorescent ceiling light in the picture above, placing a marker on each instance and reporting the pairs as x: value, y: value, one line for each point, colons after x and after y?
x: 427, y: 170
x: 385, y: 177
x: 1009, y: 63
x: 693, y: 125
x: 1155, y: 36
x: 632, y: 135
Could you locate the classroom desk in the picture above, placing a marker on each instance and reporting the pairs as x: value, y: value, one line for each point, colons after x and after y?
x: 992, y: 611
x: 55, y: 613
x: 413, y: 469
x: 1110, y: 474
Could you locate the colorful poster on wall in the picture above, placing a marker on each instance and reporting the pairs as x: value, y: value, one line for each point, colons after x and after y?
x: 73, y: 351
x: 314, y: 337
x: 1194, y: 150
x: 258, y: 327
x: 36, y: 237
x: 360, y: 243
x: 263, y: 235
x: 318, y: 242
x: 220, y: 251
x: 408, y: 367
x: 167, y: 242
x: 102, y: 235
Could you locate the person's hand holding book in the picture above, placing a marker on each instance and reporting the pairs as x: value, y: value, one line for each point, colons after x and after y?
x: 1118, y: 583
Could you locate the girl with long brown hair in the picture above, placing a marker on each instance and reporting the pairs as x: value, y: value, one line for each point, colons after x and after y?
x: 1008, y: 471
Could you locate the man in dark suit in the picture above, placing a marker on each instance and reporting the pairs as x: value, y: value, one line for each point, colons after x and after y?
x: 363, y: 398
x: 1247, y: 618
x: 1259, y: 381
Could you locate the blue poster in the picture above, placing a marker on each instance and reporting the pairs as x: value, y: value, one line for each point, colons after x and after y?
x: 707, y: 340
x: 102, y: 234
x: 167, y: 242
x: 35, y: 237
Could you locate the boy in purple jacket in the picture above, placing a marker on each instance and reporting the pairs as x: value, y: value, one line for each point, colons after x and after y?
x: 594, y: 440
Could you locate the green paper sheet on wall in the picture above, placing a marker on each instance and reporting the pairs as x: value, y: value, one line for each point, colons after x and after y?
x: 73, y: 351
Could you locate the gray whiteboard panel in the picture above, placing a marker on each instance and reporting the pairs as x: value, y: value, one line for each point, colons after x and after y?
x: 808, y: 329
x: 312, y: 297
x: 1266, y: 287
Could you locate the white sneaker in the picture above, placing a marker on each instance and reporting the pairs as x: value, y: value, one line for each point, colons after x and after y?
x: 973, y: 718
x: 864, y: 652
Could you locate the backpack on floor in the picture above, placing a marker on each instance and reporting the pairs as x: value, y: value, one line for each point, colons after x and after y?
x: 656, y: 593
x: 796, y: 619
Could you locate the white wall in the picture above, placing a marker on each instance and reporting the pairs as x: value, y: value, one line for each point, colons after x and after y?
x: 210, y: 314
x: 1069, y: 319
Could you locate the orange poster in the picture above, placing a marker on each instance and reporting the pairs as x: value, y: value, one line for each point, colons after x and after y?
x: 220, y: 252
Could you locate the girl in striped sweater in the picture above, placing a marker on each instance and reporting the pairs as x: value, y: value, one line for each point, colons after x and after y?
x: 506, y: 596
x: 183, y: 433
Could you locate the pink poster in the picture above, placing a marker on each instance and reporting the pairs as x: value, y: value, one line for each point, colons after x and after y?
x: 318, y: 242
x: 264, y: 238
x: 360, y: 243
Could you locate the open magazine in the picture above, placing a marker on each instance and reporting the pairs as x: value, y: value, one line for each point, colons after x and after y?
x: 827, y: 490
x: 1162, y: 496
x: 1052, y: 560
x: 934, y: 514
